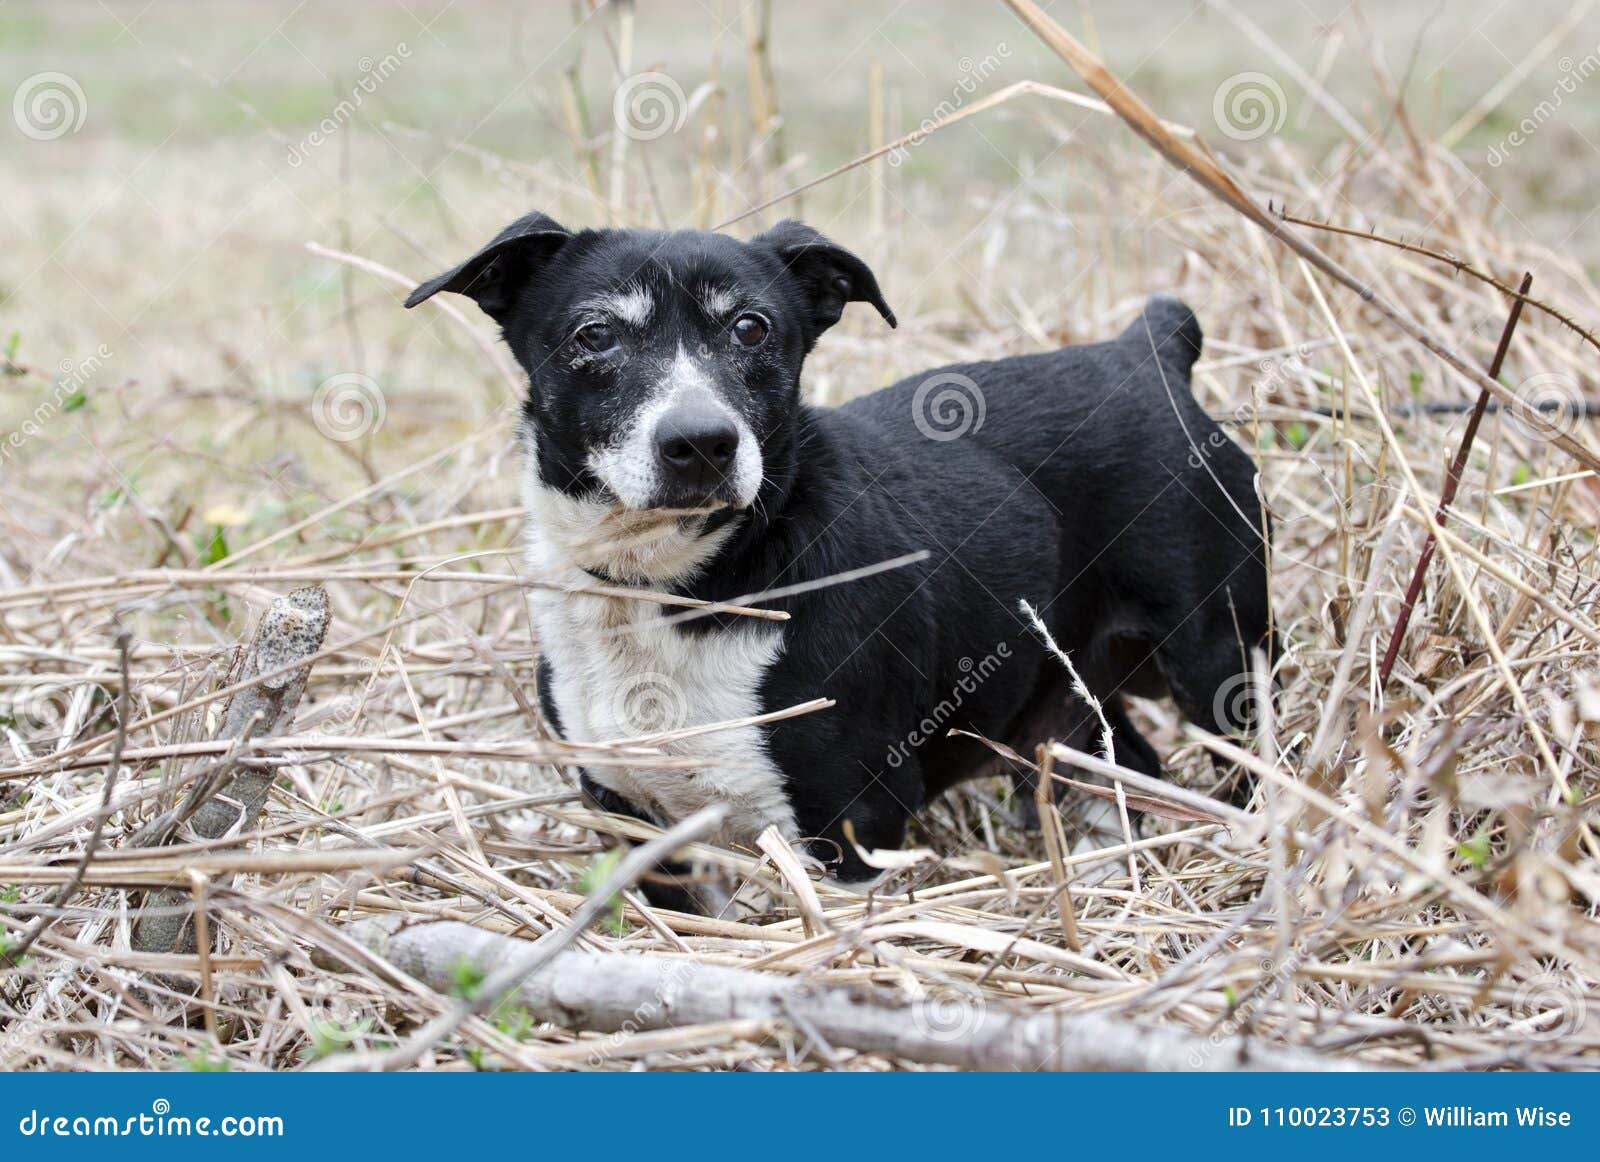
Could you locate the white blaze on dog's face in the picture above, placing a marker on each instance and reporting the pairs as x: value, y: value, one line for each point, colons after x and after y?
x: 664, y: 373
x: 686, y: 447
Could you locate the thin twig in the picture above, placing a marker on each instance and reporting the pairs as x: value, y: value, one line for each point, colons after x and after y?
x: 1459, y: 265
x: 1452, y: 481
x: 634, y: 865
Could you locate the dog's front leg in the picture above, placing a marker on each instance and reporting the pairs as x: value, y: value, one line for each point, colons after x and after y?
x: 672, y: 885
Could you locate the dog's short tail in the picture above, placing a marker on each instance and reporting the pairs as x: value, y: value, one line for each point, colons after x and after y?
x: 1171, y: 328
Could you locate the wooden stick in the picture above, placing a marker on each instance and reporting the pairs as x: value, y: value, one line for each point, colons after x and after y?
x: 291, y: 630
x: 624, y: 992
x: 523, y: 959
x: 1452, y: 481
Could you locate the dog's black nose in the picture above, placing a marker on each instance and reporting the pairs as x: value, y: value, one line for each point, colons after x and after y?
x: 696, y: 446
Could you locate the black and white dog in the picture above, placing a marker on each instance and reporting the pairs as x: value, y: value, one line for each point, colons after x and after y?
x: 667, y: 447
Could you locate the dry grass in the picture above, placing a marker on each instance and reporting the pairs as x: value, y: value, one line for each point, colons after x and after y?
x: 1425, y: 891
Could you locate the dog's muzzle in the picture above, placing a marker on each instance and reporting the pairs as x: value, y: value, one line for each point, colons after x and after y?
x: 686, y: 451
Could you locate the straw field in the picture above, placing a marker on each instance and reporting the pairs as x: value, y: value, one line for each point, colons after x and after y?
x: 213, y: 401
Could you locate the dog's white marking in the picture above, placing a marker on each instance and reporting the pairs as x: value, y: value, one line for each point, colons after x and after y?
x: 747, y: 467
x: 618, y: 672
x: 630, y: 467
x: 615, y: 675
x: 633, y: 306
x: 718, y: 301
x: 685, y: 374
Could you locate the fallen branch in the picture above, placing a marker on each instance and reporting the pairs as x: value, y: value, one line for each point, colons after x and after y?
x: 230, y: 798
x: 523, y: 959
x: 625, y: 992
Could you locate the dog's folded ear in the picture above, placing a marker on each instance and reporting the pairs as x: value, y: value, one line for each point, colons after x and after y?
x: 492, y: 276
x: 828, y: 273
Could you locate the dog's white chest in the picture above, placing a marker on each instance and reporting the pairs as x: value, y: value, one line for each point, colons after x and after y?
x: 618, y: 673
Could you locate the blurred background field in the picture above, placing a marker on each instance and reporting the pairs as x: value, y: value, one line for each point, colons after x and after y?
x: 193, y: 387
x: 171, y: 226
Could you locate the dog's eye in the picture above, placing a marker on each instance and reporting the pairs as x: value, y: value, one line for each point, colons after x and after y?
x: 749, y: 330
x: 596, y: 337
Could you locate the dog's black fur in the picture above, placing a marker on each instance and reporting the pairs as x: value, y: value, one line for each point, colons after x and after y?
x: 1094, y: 487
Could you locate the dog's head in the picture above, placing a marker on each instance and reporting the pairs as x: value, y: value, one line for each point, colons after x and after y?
x: 663, y: 366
